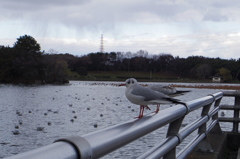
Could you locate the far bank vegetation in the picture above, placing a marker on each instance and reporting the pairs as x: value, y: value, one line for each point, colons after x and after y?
x: 26, y: 63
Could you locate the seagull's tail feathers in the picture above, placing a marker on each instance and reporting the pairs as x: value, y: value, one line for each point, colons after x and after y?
x: 175, y: 101
x: 178, y: 93
x: 183, y: 91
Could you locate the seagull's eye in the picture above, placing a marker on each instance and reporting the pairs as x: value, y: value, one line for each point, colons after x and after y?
x: 128, y: 82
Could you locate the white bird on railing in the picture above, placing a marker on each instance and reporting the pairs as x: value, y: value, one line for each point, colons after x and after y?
x: 144, y: 96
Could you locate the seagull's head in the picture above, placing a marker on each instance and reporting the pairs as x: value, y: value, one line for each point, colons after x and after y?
x: 130, y: 82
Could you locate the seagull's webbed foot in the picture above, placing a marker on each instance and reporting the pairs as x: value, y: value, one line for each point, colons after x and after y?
x: 138, y: 117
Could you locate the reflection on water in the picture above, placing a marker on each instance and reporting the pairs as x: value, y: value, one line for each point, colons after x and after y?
x: 35, y: 116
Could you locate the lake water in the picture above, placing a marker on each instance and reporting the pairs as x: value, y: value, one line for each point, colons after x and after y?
x: 42, y: 114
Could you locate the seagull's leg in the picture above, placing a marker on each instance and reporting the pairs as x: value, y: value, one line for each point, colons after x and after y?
x: 158, y: 108
x: 141, y: 112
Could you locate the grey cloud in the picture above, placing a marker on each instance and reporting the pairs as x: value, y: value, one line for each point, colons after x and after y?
x: 225, y: 4
x: 35, y: 4
x: 215, y: 17
x: 53, y: 18
x: 91, y: 13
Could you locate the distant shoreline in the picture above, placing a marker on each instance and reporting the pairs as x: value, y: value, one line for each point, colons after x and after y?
x: 222, y: 86
x: 202, y: 86
x: 198, y: 85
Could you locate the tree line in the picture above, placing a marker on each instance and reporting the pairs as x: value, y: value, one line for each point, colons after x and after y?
x: 195, y: 67
x: 25, y: 63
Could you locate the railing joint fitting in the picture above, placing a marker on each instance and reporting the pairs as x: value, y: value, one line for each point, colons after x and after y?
x: 187, y: 107
x: 82, y: 146
x: 214, y: 99
x: 203, y: 132
x: 179, y: 138
x: 209, y: 117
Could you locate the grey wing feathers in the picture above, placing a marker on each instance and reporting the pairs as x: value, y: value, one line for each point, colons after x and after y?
x: 168, y: 90
x: 151, y: 94
x: 163, y: 89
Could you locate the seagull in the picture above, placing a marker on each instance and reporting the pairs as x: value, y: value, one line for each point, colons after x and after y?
x: 144, y: 96
x: 167, y: 90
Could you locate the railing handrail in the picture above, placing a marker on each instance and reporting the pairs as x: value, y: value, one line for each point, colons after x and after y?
x: 102, y: 142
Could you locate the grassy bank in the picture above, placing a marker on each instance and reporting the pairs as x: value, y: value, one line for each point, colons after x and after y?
x: 140, y: 76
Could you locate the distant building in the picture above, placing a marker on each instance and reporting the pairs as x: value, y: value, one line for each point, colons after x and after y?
x: 216, y: 79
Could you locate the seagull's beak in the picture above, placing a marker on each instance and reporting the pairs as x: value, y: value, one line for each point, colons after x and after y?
x: 122, y: 84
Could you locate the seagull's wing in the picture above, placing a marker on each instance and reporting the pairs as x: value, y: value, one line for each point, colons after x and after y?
x: 150, y: 95
x: 168, y: 90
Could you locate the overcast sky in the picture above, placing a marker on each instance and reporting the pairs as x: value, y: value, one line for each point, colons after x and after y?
x: 209, y: 28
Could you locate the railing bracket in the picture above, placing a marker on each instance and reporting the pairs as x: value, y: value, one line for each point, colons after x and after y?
x: 80, y: 144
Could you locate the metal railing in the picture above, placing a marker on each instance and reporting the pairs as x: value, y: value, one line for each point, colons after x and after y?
x: 236, y: 107
x: 100, y: 143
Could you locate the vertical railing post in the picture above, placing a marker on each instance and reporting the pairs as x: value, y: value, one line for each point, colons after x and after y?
x: 216, y: 128
x: 236, y: 114
x: 217, y: 103
x: 204, y: 145
x: 205, y: 111
x: 173, y: 130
